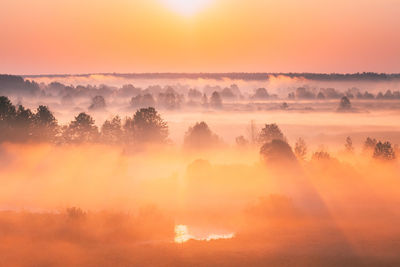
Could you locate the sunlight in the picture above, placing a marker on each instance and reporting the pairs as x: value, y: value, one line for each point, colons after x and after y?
x: 182, y: 235
x: 186, y: 7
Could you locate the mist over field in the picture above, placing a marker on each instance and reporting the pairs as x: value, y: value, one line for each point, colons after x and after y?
x: 199, y: 133
x: 228, y: 170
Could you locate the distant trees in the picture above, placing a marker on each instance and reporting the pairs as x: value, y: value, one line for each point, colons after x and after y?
x: 194, y: 94
x: 216, y: 100
x: 369, y: 144
x: 284, y: 106
x: 111, y: 131
x: 7, y: 118
x: 321, y: 155
x: 147, y: 126
x: 300, y: 149
x: 379, y: 150
x: 260, y: 94
x: 304, y: 93
x: 128, y: 90
x: 21, y: 124
x: 384, y: 151
x: 142, y: 101
x: 81, y: 130
x: 227, y: 93
x: 98, y: 103
x: 204, y: 101
x: 200, y: 136
x: 170, y: 99
x: 277, y: 151
x: 345, y: 104
x: 45, y: 125
x: 349, y: 145
x: 270, y: 132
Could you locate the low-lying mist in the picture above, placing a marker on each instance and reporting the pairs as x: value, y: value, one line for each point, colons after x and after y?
x: 295, y: 181
x: 98, y: 204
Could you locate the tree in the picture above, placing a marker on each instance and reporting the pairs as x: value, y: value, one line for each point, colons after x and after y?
x: 321, y: 155
x: 7, y: 109
x: 147, y: 126
x: 261, y: 93
x: 344, y: 104
x: 24, y: 122
x: 111, y: 131
x: 300, y: 149
x: 270, y: 132
x: 369, y: 144
x: 277, y: 151
x: 194, y: 94
x: 320, y: 96
x: 284, y: 106
x: 142, y: 101
x: 227, y: 93
x: 200, y: 136
x: 384, y: 151
x: 169, y: 99
x: 215, y: 100
x: 81, y: 130
x: 45, y: 125
x: 349, y: 145
x: 98, y: 103
x: 204, y: 101
x: 7, y: 117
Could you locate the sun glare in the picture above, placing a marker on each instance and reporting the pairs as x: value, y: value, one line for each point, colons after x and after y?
x: 186, y: 7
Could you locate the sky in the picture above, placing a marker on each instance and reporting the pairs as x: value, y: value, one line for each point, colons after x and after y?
x: 88, y: 36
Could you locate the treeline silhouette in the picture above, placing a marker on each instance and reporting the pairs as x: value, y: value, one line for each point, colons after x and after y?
x: 372, y: 76
x: 19, y: 124
x: 170, y: 97
x: 146, y: 126
x: 332, y: 93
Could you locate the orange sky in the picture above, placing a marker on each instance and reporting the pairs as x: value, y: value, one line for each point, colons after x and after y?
x: 81, y: 36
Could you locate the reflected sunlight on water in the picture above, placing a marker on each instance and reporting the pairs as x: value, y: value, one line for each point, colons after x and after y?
x: 182, y: 235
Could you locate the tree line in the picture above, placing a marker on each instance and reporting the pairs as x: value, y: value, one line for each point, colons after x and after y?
x: 20, y: 124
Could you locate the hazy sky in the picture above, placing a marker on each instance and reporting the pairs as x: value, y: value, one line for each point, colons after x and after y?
x: 81, y: 36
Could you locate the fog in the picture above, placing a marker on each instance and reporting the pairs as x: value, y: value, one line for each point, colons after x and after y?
x: 205, y: 186
x: 345, y: 207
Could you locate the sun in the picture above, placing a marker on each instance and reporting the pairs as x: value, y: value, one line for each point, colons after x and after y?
x: 187, y: 7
